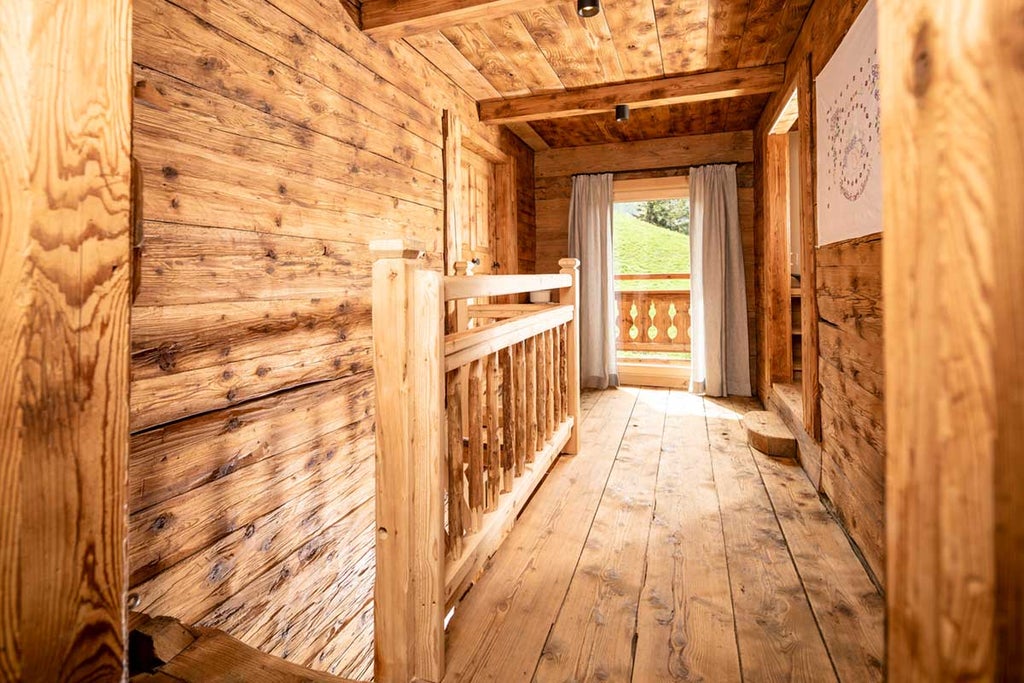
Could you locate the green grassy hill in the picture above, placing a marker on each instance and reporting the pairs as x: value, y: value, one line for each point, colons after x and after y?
x: 641, y: 247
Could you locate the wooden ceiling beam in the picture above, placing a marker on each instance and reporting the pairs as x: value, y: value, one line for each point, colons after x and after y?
x: 391, y: 19
x: 713, y: 85
x: 687, y: 150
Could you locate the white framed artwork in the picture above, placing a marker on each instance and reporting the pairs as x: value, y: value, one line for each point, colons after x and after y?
x: 848, y: 136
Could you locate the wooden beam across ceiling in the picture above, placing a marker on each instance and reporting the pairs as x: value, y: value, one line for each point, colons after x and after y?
x: 687, y: 150
x: 712, y: 85
x: 391, y: 19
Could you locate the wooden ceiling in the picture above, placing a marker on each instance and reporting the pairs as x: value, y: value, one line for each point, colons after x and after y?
x: 496, y: 49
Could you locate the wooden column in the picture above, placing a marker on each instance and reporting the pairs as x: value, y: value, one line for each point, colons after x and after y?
x: 452, y: 156
x: 475, y: 432
x: 532, y: 394
x: 571, y: 295
x: 558, y: 358
x: 508, y: 420
x: 541, y: 364
x: 506, y: 247
x: 809, y: 322
x: 493, y: 432
x: 408, y: 351
x: 522, y: 407
x: 550, y: 383
x: 953, y: 270
x: 779, y: 326
x: 456, y: 475
x: 65, y: 250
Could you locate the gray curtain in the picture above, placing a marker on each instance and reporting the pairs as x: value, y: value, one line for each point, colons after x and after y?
x: 720, y: 357
x: 590, y: 240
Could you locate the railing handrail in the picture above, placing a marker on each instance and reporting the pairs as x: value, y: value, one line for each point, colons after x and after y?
x: 466, y: 287
x: 653, y: 291
x: 652, y: 276
x: 499, y: 311
x: 475, y: 343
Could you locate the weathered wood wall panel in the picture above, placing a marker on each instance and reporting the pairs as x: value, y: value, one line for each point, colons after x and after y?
x: 848, y: 293
x: 288, y: 141
x: 65, y: 247
x: 631, y: 161
x: 527, y: 211
x: 851, y: 376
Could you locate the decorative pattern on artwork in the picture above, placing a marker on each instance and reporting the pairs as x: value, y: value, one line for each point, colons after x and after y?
x: 853, y: 124
x: 848, y: 135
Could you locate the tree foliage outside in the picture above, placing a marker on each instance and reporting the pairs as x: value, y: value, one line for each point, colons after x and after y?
x: 673, y: 214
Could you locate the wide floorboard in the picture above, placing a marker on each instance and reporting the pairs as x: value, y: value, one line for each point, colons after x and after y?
x: 668, y: 550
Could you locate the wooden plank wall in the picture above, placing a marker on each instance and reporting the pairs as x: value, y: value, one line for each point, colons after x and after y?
x: 852, y: 379
x: 554, y: 188
x: 527, y: 212
x: 65, y: 246
x: 849, y: 324
x: 285, y: 141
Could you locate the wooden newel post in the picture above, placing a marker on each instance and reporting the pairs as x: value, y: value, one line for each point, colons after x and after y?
x: 408, y: 349
x: 571, y: 295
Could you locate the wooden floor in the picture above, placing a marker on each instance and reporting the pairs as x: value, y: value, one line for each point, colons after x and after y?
x: 667, y: 550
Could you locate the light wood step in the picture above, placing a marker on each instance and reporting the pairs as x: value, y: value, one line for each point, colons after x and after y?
x: 769, y: 434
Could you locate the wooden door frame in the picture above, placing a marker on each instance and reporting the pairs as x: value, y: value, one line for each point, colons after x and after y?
x: 778, y: 327
x: 456, y: 139
x: 811, y: 387
x: 777, y: 365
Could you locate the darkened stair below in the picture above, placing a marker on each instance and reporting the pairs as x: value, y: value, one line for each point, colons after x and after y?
x: 163, y: 650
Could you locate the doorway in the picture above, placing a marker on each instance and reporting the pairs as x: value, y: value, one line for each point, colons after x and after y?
x: 789, y: 373
x: 651, y: 255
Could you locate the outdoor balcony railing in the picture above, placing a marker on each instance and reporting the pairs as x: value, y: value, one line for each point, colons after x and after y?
x: 653, y: 316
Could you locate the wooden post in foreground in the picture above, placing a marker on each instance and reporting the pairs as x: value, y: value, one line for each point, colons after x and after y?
x: 571, y: 295
x: 408, y: 350
x: 65, y: 290
x: 952, y: 83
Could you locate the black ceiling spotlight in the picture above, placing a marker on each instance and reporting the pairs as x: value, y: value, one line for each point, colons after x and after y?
x: 588, y: 8
x: 621, y: 112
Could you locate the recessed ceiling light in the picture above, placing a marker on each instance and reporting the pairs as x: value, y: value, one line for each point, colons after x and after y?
x: 588, y: 8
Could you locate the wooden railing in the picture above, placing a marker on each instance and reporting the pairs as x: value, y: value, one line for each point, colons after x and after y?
x: 655, y: 320
x: 467, y: 426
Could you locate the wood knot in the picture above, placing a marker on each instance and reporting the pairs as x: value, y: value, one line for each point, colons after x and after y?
x: 217, y: 572
x: 226, y: 469
x: 166, y: 357
x: 922, y: 61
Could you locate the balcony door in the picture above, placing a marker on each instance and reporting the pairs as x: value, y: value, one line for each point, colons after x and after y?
x: 651, y: 247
